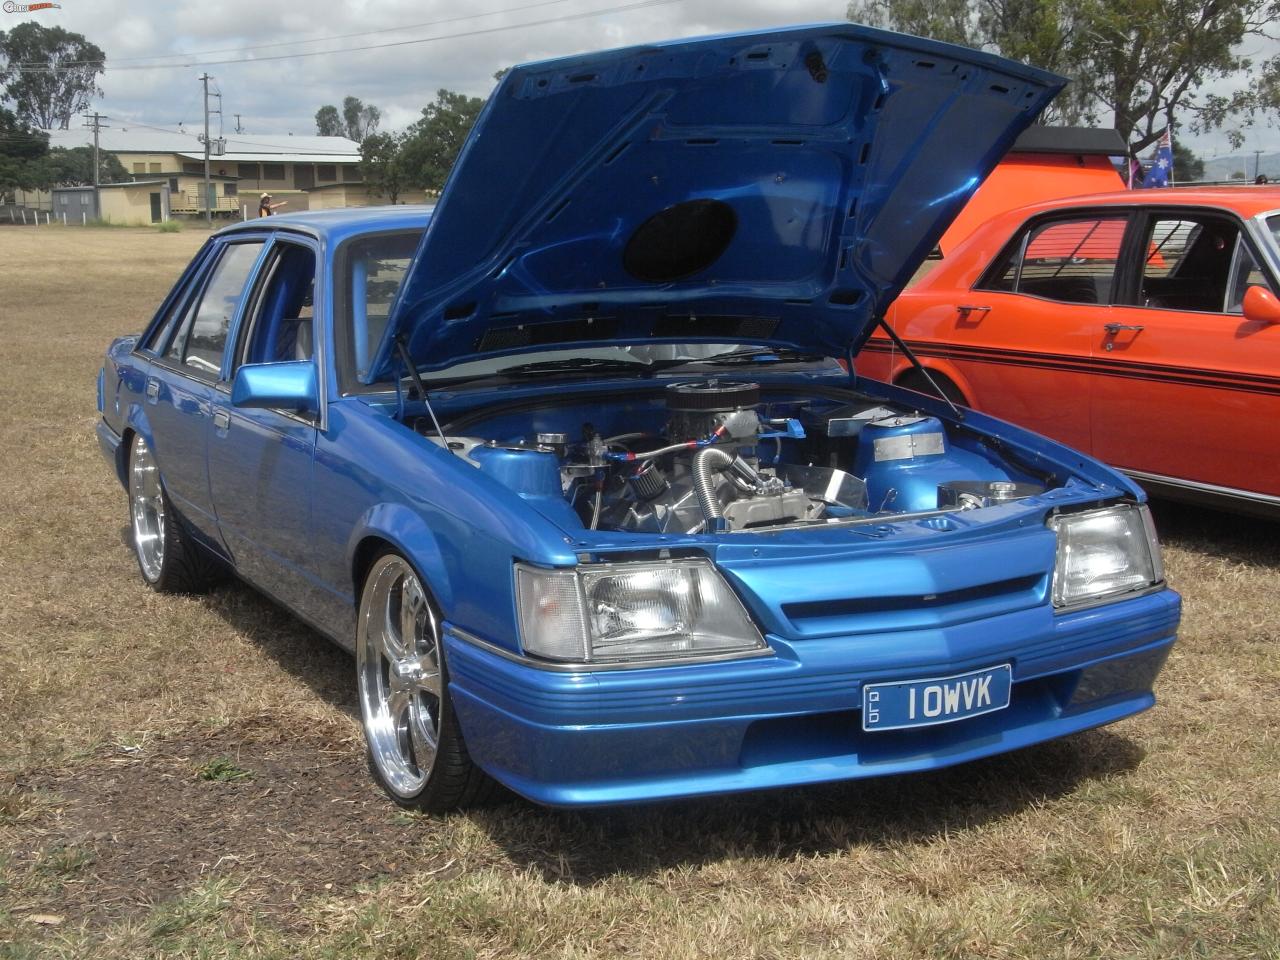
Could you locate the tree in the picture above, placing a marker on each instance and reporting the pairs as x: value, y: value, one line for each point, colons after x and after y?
x: 73, y: 167
x: 382, y: 165
x: 1187, y: 167
x: 50, y: 73
x: 431, y: 144
x: 360, y: 118
x: 22, y: 152
x: 1143, y: 63
x: 328, y: 123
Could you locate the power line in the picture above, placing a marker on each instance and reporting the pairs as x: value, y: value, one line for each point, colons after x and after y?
x: 622, y: 8
x: 340, y: 36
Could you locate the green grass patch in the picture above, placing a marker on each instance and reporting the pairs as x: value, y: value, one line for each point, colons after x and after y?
x: 222, y: 770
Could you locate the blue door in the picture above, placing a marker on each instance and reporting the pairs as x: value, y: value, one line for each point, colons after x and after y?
x: 181, y: 382
x: 260, y: 461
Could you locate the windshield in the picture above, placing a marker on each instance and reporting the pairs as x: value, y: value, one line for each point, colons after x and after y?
x: 370, y: 270
x: 1274, y: 224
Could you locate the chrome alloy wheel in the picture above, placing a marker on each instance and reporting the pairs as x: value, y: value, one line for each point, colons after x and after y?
x: 146, y: 510
x: 398, y: 664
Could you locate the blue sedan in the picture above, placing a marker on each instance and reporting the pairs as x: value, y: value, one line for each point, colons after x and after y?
x: 579, y: 465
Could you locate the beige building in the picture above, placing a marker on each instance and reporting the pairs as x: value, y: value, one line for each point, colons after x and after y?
x: 335, y: 195
x: 286, y: 167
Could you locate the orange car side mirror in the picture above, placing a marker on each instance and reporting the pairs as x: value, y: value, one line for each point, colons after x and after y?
x: 1261, y: 305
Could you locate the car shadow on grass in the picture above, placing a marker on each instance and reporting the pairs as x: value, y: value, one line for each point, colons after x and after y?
x: 1215, y: 533
x: 300, y: 651
x: 587, y: 847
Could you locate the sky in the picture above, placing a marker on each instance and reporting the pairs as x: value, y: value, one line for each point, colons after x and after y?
x: 282, y: 96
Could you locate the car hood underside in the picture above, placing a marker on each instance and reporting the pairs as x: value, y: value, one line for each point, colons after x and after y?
x: 775, y: 188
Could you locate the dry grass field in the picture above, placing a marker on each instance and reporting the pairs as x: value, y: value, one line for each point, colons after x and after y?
x: 183, y: 777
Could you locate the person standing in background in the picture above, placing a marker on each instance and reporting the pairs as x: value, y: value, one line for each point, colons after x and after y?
x: 266, y: 208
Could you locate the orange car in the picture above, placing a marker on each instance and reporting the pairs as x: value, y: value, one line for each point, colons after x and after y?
x: 1140, y: 326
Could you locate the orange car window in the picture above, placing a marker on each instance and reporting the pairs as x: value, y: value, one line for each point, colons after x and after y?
x: 1071, y: 261
x: 1188, y: 263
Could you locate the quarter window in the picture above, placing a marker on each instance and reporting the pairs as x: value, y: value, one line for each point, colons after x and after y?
x: 201, y: 342
x: 1070, y: 261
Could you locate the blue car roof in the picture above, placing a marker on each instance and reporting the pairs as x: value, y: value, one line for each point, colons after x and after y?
x: 334, y: 226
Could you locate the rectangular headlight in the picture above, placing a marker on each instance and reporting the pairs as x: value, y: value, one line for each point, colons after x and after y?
x: 662, y: 610
x: 1104, y: 553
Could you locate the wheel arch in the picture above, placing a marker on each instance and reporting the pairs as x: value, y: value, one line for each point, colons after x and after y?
x: 391, y: 526
x: 940, y: 370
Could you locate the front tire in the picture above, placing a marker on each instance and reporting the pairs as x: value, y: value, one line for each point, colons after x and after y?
x: 169, y: 561
x: 415, y: 746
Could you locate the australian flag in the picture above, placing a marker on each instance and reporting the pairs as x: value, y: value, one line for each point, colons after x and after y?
x: 1161, y: 170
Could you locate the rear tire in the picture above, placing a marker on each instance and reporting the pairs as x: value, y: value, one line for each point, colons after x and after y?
x: 168, y: 559
x: 415, y: 747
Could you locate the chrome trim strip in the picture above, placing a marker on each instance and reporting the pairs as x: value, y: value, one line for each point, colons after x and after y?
x: 1209, y: 488
x: 467, y: 637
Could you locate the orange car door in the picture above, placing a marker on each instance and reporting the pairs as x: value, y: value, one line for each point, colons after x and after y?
x: 1020, y: 339
x: 1188, y: 389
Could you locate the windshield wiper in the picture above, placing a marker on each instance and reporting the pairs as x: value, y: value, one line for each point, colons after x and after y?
x: 761, y: 355
x: 574, y: 365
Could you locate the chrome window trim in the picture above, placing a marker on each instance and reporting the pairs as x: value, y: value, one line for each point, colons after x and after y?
x: 1206, y: 488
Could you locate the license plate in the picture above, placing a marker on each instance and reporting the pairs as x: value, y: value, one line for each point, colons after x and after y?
x: 922, y: 703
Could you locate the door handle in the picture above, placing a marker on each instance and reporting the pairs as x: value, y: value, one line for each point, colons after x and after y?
x: 153, y: 389
x: 970, y: 308
x: 1114, y: 328
x: 221, y: 419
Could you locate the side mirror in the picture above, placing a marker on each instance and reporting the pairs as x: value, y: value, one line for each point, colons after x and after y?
x: 289, y: 385
x: 1261, y: 305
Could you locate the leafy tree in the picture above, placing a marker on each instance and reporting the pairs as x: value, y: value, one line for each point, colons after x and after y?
x: 1187, y: 166
x: 22, y: 152
x: 361, y: 118
x: 50, y: 73
x: 1239, y: 175
x: 328, y: 123
x: 432, y: 143
x: 73, y: 167
x: 382, y: 166
x: 1143, y: 63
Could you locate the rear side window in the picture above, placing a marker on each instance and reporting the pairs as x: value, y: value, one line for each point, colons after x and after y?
x: 200, y: 343
x: 1187, y: 263
x: 1070, y: 261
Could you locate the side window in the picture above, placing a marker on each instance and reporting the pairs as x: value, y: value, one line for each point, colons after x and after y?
x: 279, y: 326
x: 179, y: 308
x: 1245, y: 274
x: 1187, y: 263
x: 200, y: 343
x: 1070, y: 261
x: 371, y: 271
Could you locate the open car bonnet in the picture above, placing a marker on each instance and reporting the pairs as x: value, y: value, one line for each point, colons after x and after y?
x: 777, y: 187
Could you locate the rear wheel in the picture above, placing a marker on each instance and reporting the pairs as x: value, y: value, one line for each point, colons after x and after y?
x: 169, y: 561
x: 416, y: 752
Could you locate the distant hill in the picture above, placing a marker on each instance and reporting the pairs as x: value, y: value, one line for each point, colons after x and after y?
x: 1221, y: 168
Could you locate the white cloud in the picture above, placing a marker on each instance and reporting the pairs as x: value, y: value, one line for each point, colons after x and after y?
x: 281, y: 96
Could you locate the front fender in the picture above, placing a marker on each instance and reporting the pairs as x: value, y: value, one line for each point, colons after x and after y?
x: 409, y: 534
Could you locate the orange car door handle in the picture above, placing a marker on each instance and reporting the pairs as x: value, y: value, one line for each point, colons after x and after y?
x: 971, y: 308
x: 1114, y: 328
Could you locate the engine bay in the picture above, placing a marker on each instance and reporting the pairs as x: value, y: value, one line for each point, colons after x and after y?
x: 717, y: 456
